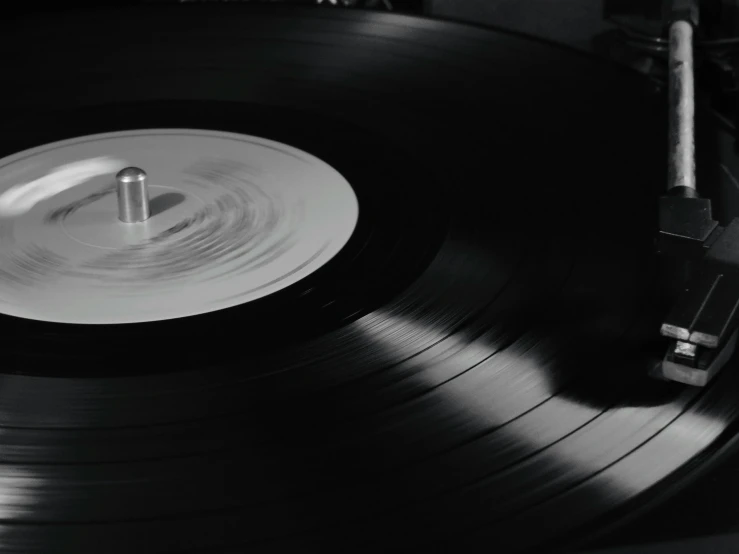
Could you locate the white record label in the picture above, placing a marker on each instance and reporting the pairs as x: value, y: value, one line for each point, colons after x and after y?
x: 233, y: 218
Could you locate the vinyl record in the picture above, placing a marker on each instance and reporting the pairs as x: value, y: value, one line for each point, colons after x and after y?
x: 468, y: 373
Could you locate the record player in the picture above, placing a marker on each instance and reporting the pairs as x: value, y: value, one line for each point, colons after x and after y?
x: 279, y: 278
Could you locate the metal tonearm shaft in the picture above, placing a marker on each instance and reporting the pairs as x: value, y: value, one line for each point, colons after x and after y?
x: 681, y: 106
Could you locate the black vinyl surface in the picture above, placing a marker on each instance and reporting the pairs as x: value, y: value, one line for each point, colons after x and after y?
x: 470, y: 374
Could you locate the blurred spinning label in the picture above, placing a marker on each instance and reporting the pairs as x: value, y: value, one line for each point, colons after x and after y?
x: 233, y: 218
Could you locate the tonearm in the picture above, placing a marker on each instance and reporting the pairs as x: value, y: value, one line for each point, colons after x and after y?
x: 702, y: 324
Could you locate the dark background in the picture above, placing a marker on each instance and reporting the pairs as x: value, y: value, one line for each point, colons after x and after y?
x: 573, y: 22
